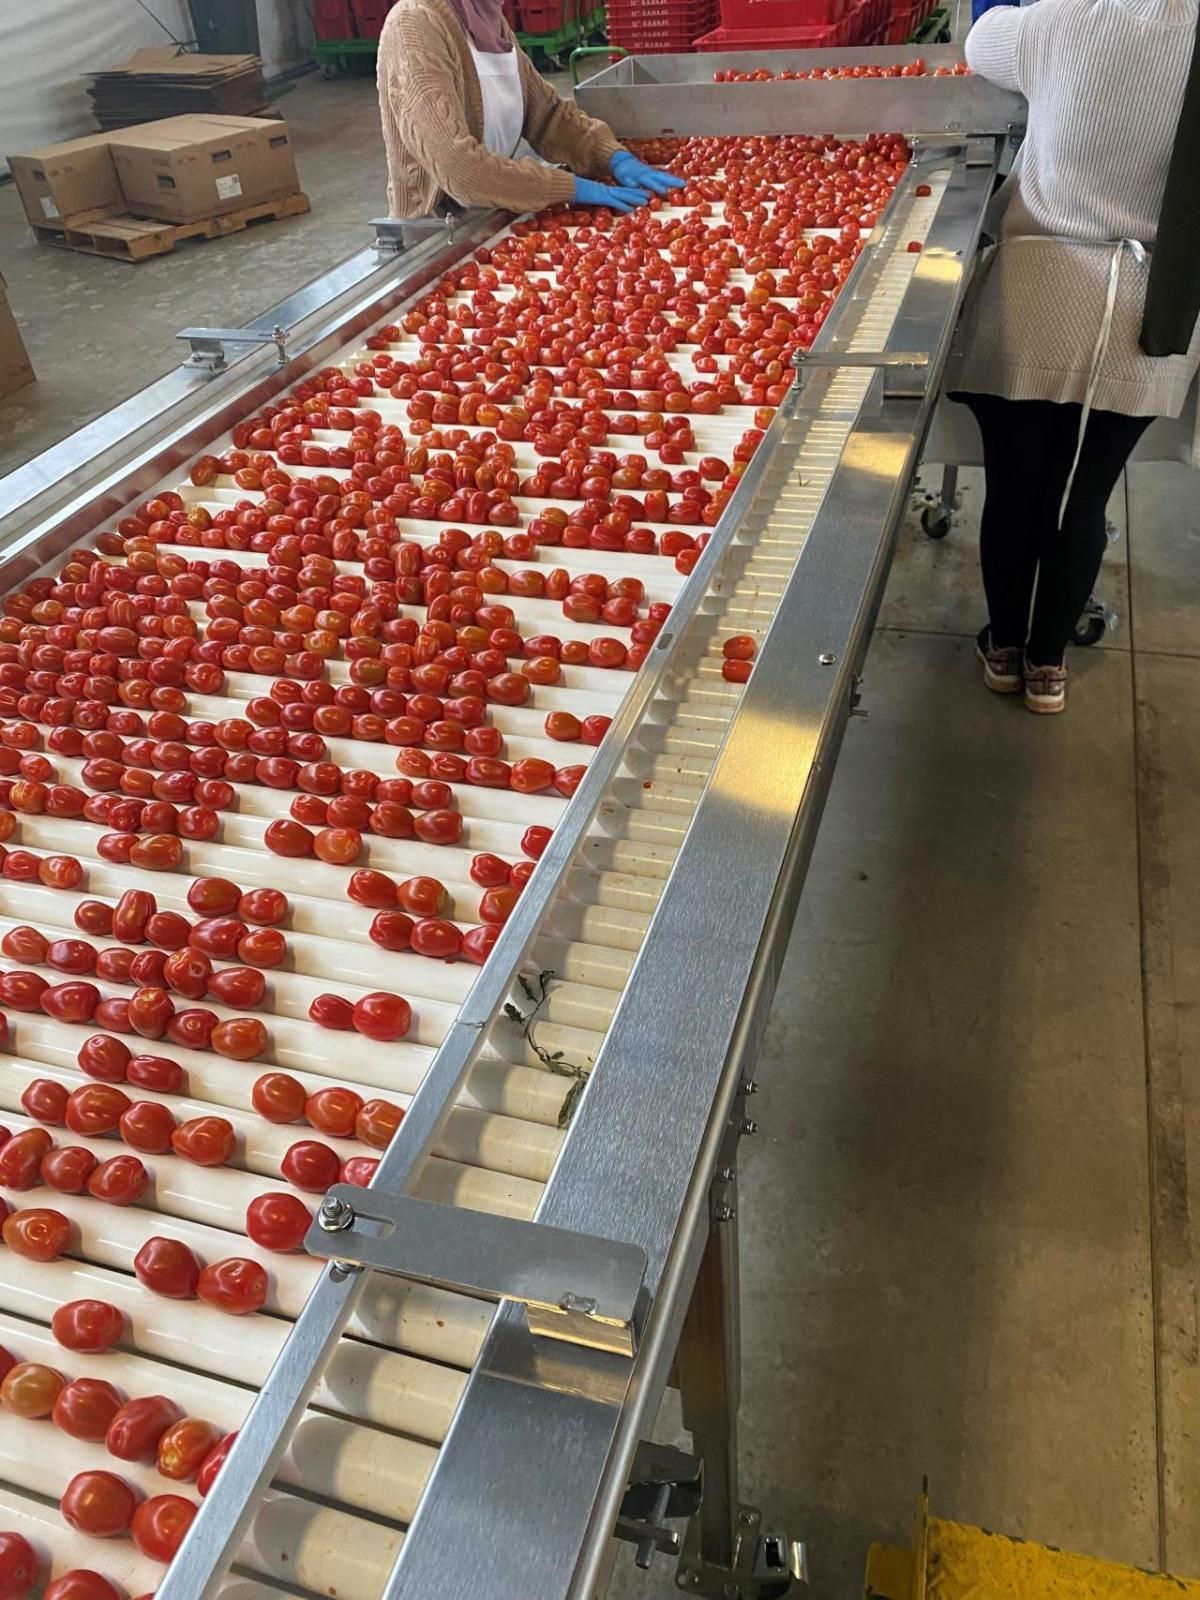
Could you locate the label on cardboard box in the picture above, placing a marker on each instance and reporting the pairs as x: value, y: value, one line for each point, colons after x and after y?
x: 49, y: 207
x: 229, y: 187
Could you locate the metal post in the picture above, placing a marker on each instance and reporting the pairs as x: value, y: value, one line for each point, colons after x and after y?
x: 709, y: 1368
x: 949, y: 487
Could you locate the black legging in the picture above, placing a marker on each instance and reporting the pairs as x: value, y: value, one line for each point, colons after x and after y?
x: 1028, y: 447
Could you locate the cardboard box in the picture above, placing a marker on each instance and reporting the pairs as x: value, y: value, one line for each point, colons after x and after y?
x: 71, y: 182
x: 184, y: 168
x: 15, y: 368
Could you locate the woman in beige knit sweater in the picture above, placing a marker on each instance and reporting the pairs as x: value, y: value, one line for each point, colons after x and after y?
x: 457, y: 95
x: 1054, y: 355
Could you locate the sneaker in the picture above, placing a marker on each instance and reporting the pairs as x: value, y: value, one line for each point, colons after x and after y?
x: 1045, y: 689
x: 1001, y: 667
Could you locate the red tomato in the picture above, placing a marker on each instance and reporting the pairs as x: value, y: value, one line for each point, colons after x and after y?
x: 26, y: 945
x: 277, y: 1221
x: 85, y: 1408
x: 422, y: 897
x: 21, y: 1157
x: 331, y: 1011
x: 150, y: 1009
x: 240, y: 1039
x: 45, y: 1099
x: 436, y: 937
x: 213, y: 897
x: 377, y: 1122
x: 167, y: 1267
x: 187, y: 972
x: 562, y: 725
x: 38, y: 1233
x: 740, y: 647
x: 147, y: 1126
x: 736, y: 671
x: 205, y: 1141
x: 533, y: 842
x: 265, y: 907
x: 278, y: 1097
x: 81, y: 1583
x: 72, y: 955
x: 310, y: 1165
x: 531, y: 776
x: 477, y: 943
x: 332, y: 1111
x: 159, y: 1073
x: 30, y: 1389
x: 262, y: 947
x: 94, y: 917
x: 68, y: 1168
x: 497, y: 905
x: 488, y: 871
x: 120, y: 1181
x: 237, y: 1285
x: 183, y: 1447
x: 392, y: 930
x: 287, y: 838
x: 382, y: 1016
x: 218, y: 936
x: 138, y: 1425
x: 159, y: 1524
x: 238, y: 987
x: 93, y: 1110
x: 105, y: 1057
x: 98, y: 1503
x: 89, y: 1326
x: 133, y: 911
x: 18, y: 1567
x: 373, y: 889
x: 212, y: 1464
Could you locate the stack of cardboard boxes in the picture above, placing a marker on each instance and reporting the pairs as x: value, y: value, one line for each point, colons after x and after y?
x: 177, y: 171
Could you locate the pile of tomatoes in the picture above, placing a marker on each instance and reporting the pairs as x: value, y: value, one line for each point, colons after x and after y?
x: 385, y: 521
x: 907, y: 69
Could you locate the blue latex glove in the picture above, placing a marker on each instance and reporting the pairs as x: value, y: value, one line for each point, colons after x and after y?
x: 627, y: 169
x: 624, y: 198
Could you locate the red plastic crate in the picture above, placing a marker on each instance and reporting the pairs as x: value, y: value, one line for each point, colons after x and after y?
x: 782, y: 13
x: 652, y: 27
x: 333, y: 19
x: 369, y: 16
x: 547, y: 17
x: 777, y: 38
x: 905, y: 22
x: 868, y: 19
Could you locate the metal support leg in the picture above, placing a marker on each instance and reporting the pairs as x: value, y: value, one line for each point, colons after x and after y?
x: 725, y: 1553
x: 937, y: 514
x: 709, y: 1365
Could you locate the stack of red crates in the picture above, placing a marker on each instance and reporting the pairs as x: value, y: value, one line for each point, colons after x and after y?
x: 350, y: 19
x: 333, y: 19
x: 545, y: 16
x: 783, y: 25
x: 905, y: 20
x: 659, y: 27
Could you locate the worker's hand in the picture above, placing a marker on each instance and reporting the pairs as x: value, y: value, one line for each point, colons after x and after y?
x: 627, y: 169
x: 623, y: 198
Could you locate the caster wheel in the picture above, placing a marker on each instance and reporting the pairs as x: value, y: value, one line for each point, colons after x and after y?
x: 1089, y: 630
x: 935, y: 520
x: 329, y: 72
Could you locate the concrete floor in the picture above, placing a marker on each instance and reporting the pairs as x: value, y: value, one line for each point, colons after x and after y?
x: 968, y: 1219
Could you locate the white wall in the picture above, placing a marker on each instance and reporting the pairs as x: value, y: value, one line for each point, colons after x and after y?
x: 47, y: 45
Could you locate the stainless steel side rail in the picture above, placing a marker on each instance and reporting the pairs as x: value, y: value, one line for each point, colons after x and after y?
x: 62, y: 495
x: 216, y: 1533
x: 640, y: 1158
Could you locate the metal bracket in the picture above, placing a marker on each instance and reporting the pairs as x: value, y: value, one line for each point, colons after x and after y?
x: 664, y: 1482
x: 904, y: 373
x: 208, y: 344
x: 395, y: 235
x: 574, y: 1287
x: 766, y: 1566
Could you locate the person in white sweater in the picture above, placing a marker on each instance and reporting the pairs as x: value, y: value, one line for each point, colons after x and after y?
x: 1048, y: 353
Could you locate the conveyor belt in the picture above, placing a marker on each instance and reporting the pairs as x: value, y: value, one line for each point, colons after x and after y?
x: 355, y: 1470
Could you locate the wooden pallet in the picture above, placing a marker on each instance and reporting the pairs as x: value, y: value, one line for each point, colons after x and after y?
x: 136, y: 239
